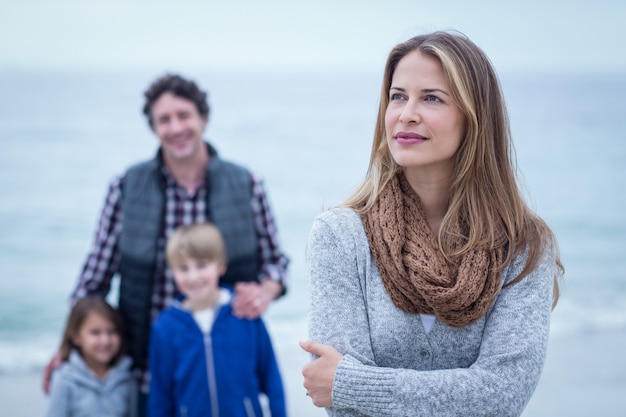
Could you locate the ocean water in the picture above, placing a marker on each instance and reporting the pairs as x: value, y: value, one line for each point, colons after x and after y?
x: 64, y: 135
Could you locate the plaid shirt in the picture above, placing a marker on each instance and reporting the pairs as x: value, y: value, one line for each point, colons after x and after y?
x: 181, y: 208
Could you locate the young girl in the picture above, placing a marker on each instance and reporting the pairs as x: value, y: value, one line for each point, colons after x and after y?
x: 95, y: 377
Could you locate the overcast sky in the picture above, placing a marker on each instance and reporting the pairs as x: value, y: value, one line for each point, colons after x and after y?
x: 568, y: 35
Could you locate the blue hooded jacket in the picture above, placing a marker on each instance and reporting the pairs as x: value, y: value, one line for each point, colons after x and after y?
x: 221, y: 373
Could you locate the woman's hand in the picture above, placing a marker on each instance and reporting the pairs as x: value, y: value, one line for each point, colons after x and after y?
x: 320, y: 373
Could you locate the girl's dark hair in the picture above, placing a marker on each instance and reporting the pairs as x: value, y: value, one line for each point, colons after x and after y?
x: 78, y: 314
x: 180, y: 87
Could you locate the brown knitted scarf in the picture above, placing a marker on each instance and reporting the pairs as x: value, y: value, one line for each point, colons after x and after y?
x: 416, y: 275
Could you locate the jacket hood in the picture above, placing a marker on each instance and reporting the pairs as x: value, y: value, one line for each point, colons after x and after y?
x: 76, y: 369
x: 225, y: 300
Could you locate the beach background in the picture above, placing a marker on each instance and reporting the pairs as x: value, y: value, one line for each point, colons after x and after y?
x: 302, y: 118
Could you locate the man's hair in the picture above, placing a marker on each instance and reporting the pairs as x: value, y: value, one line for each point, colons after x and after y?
x: 180, y: 87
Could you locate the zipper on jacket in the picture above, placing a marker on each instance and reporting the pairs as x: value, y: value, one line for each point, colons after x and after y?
x: 208, y: 346
x: 247, y: 403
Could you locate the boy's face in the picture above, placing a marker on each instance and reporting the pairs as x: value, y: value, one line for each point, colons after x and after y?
x: 197, y: 280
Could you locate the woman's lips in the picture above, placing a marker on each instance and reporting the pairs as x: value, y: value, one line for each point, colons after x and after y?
x: 407, y: 138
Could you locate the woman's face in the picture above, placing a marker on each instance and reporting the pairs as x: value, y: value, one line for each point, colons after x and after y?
x: 423, y: 123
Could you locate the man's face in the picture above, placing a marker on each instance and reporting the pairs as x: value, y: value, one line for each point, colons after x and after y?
x: 178, y: 125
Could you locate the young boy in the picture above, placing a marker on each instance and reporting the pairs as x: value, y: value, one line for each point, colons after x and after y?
x: 203, y: 360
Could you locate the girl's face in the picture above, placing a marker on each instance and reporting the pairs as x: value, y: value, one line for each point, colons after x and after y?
x: 198, y: 280
x: 98, y: 340
x: 424, y: 126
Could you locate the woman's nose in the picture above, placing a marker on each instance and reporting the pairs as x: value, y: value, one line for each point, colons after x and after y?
x: 410, y: 113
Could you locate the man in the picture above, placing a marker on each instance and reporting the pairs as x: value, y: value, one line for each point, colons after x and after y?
x: 187, y: 182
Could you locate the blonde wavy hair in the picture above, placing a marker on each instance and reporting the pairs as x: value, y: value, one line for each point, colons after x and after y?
x: 484, y: 192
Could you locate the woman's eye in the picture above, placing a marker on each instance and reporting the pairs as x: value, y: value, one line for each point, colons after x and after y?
x: 433, y: 99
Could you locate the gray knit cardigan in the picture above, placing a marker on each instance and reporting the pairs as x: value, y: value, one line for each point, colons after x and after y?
x: 391, y: 367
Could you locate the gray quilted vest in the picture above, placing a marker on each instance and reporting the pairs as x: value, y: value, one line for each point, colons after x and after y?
x: 229, y: 208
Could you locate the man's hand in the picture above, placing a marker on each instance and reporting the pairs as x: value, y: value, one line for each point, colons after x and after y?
x: 54, y: 363
x: 252, y: 299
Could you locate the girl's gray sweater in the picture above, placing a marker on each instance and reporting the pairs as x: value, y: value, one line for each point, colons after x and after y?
x: 391, y: 367
x: 77, y: 392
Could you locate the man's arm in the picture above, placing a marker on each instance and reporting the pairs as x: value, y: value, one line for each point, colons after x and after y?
x: 253, y: 298
x: 103, y: 259
x: 101, y: 264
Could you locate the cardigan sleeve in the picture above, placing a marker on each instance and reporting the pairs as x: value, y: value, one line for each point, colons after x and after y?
x: 337, y: 310
x: 499, y: 383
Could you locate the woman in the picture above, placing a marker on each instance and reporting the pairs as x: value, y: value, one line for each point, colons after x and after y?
x: 432, y: 286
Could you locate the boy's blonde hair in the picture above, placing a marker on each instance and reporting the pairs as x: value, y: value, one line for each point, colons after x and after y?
x: 197, y: 241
